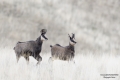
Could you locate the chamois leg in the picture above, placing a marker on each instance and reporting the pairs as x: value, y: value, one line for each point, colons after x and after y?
x: 39, y: 59
x: 27, y: 59
x: 50, y: 59
x: 17, y: 57
x: 73, y: 61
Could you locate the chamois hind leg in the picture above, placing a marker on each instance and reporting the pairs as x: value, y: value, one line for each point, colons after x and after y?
x: 17, y: 57
x: 27, y: 59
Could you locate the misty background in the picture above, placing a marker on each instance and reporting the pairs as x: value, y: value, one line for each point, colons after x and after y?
x: 96, y: 23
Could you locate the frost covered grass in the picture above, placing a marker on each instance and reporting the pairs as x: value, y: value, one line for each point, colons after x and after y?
x: 86, y: 67
x: 96, y: 24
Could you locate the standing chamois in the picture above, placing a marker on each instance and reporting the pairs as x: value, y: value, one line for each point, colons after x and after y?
x: 31, y: 48
x: 63, y: 53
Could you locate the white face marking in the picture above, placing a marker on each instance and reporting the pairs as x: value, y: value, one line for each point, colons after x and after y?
x: 72, y: 43
x: 42, y: 38
x: 73, y: 39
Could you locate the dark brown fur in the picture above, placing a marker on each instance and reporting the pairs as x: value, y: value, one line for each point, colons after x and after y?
x: 63, y: 53
x: 29, y: 48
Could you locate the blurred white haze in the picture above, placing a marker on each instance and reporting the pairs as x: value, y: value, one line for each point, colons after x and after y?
x: 96, y: 24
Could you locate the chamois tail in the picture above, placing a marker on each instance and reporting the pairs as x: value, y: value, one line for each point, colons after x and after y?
x: 51, y: 46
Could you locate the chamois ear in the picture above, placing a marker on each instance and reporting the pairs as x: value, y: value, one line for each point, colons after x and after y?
x: 73, y: 35
x: 43, y: 31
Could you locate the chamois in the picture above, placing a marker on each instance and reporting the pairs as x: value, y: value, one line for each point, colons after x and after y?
x: 63, y: 53
x: 31, y: 48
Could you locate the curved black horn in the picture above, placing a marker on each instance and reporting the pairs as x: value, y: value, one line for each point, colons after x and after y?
x: 69, y: 35
x: 73, y: 35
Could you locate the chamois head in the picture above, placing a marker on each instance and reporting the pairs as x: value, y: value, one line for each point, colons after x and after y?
x: 43, y: 32
x: 72, y: 39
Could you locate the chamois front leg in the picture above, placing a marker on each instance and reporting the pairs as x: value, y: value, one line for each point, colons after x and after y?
x: 50, y: 60
x: 39, y: 59
x: 73, y: 61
